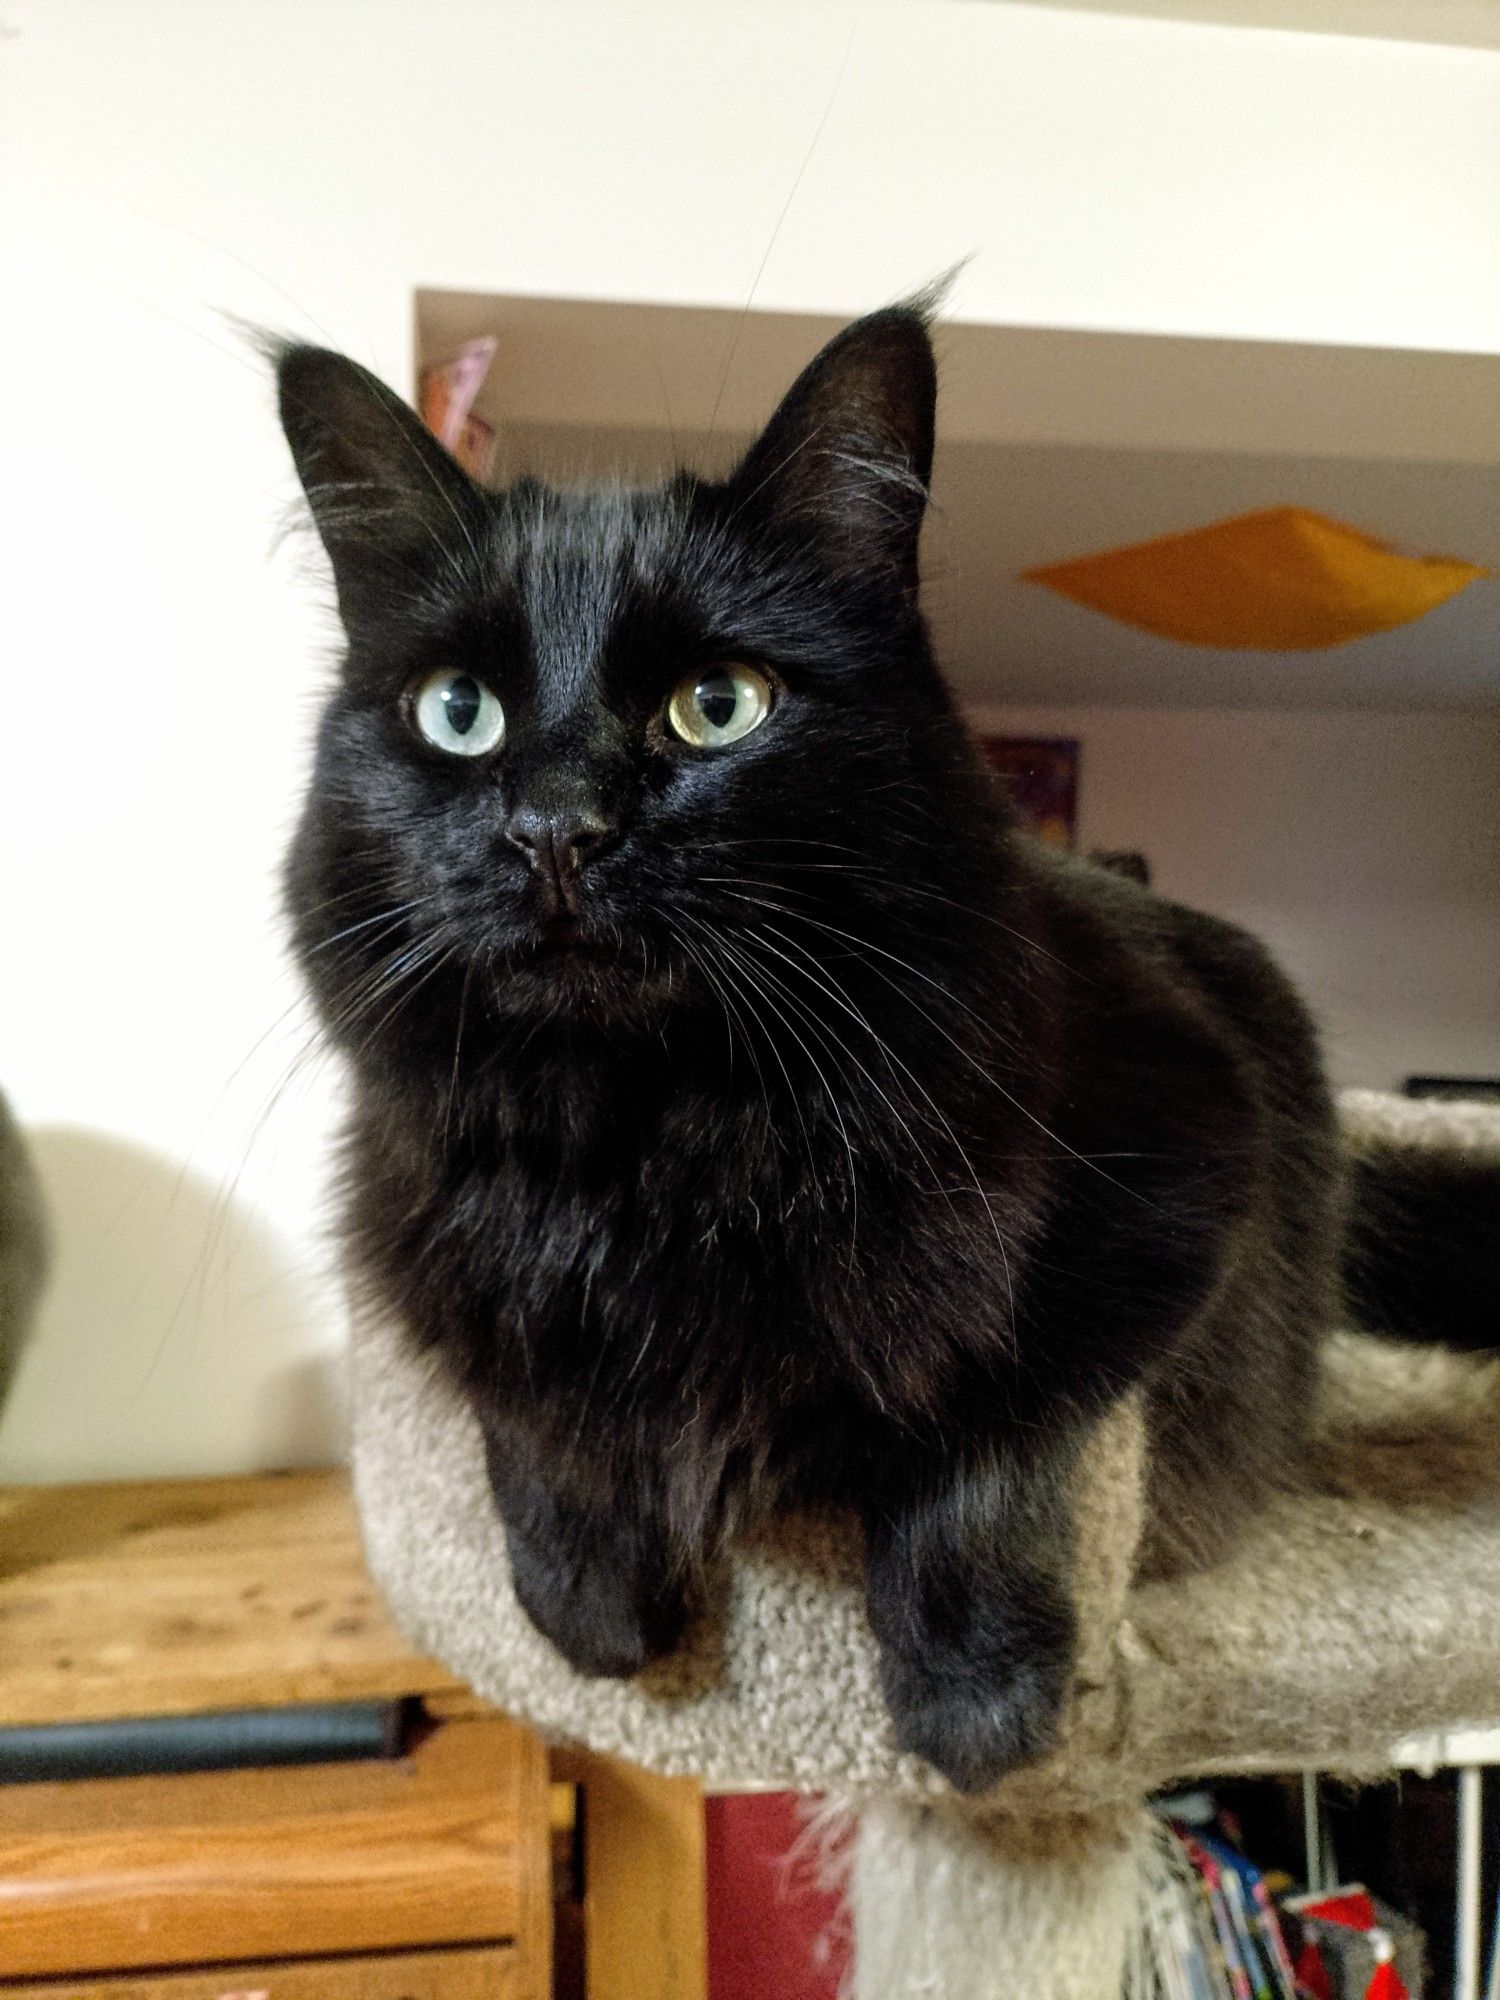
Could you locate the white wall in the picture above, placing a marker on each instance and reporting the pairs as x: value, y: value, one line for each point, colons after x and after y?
x: 310, y: 164
x: 1365, y: 849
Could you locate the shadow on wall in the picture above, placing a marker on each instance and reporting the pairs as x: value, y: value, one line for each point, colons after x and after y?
x: 25, y: 1245
x: 177, y: 1335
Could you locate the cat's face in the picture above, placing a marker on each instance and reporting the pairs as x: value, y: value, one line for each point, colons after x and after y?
x: 585, y: 745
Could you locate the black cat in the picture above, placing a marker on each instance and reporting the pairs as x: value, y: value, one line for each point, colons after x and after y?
x: 743, y: 1109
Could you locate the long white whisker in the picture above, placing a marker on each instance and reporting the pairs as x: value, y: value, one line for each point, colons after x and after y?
x: 771, y: 1123
x: 709, y: 938
x: 865, y: 946
x: 811, y: 969
x: 828, y: 1091
x: 883, y: 880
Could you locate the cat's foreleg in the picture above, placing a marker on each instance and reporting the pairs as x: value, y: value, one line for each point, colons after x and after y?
x: 969, y: 1577
x: 595, y: 1571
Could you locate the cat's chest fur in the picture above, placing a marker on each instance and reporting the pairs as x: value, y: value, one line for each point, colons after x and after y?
x: 665, y: 1240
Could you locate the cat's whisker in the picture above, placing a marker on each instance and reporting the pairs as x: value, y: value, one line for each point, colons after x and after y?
x: 828, y: 1090
x: 381, y: 917
x: 854, y: 947
x: 866, y: 946
x: 821, y: 978
x: 838, y: 1051
x: 312, y: 1052
x: 458, y: 1038
x: 377, y: 879
x: 697, y: 960
x: 693, y: 956
x: 814, y: 970
x: 429, y: 967
x: 711, y: 942
x: 761, y: 978
x: 360, y: 1000
x: 895, y: 887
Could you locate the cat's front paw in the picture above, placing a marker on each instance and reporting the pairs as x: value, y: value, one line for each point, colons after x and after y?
x: 606, y: 1622
x: 975, y: 1721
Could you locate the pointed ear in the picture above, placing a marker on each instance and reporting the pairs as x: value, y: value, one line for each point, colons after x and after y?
x: 848, y: 455
x: 385, y: 496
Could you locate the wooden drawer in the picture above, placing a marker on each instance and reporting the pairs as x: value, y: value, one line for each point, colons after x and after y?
x: 419, y: 1975
x: 447, y: 1846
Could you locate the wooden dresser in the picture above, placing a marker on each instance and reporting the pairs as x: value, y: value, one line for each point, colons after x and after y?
x: 435, y: 1874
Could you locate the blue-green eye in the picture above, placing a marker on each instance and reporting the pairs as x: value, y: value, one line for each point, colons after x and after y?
x: 458, y: 714
x: 715, y: 709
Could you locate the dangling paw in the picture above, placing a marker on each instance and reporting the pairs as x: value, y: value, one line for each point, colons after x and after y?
x: 607, y: 1617
x: 976, y: 1720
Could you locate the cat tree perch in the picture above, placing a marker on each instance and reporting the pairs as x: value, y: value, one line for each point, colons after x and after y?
x: 1361, y: 1611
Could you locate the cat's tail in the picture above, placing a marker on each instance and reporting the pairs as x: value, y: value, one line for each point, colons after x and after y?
x: 1422, y: 1251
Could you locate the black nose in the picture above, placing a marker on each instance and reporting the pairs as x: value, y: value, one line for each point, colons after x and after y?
x: 559, y: 841
x: 559, y: 844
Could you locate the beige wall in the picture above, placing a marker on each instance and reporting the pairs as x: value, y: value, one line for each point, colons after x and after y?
x: 1364, y: 848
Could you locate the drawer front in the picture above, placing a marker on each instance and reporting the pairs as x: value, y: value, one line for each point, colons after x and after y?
x: 445, y: 1847
x: 422, y: 1975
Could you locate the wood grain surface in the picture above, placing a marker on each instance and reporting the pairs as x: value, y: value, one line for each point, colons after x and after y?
x: 645, y: 1908
x: 184, y: 1596
x: 490, y: 1973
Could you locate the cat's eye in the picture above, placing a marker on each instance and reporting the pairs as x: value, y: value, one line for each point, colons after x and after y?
x: 711, y: 710
x: 458, y: 714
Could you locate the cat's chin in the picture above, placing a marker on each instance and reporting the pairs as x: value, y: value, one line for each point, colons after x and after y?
x: 570, y: 973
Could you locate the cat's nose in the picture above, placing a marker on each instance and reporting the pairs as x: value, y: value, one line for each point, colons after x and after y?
x: 558, y: 845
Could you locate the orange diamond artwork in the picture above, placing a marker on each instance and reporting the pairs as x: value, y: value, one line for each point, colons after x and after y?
x: 1280, y: 580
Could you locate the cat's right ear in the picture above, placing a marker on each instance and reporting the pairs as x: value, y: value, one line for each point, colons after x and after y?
x: 385, y: 497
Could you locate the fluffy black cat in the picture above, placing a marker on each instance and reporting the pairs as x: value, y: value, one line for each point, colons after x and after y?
x: 744, y: 1110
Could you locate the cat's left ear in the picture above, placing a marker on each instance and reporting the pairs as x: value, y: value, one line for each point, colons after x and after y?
x: 847, y: 457
x: 386, y: 498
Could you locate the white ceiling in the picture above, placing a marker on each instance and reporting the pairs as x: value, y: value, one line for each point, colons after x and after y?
x: 1473, y: 24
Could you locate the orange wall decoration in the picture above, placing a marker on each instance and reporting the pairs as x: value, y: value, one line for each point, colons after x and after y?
x: 1280, y: 580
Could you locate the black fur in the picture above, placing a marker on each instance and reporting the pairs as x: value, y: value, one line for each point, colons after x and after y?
x: 1419, y: 1261
x: 817, y: 1138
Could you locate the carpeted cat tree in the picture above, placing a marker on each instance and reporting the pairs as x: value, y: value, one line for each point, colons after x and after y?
x: 1361, y: 1609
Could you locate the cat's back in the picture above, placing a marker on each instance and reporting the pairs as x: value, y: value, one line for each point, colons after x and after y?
x: 1120, y: 936
x: 1186, y: 1037
x: 1228, y: 1400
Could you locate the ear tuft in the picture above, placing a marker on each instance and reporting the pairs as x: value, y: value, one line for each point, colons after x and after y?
x: 847, y: 457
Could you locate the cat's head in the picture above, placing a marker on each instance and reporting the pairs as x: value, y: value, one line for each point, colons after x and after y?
x: 598, y: 754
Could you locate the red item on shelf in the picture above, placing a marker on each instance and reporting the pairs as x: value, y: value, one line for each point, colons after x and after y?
x: 1351, y: 1907
x: 1355, y: 1911
x: 1312, y: 1974
x: 1387, y: 1984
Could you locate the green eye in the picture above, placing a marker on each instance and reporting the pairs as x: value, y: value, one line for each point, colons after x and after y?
x: 458, y: 714
x: 716, y: 709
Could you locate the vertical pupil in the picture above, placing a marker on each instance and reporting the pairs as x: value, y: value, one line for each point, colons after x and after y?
x: 717, y: 699
x: 461, y: 702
